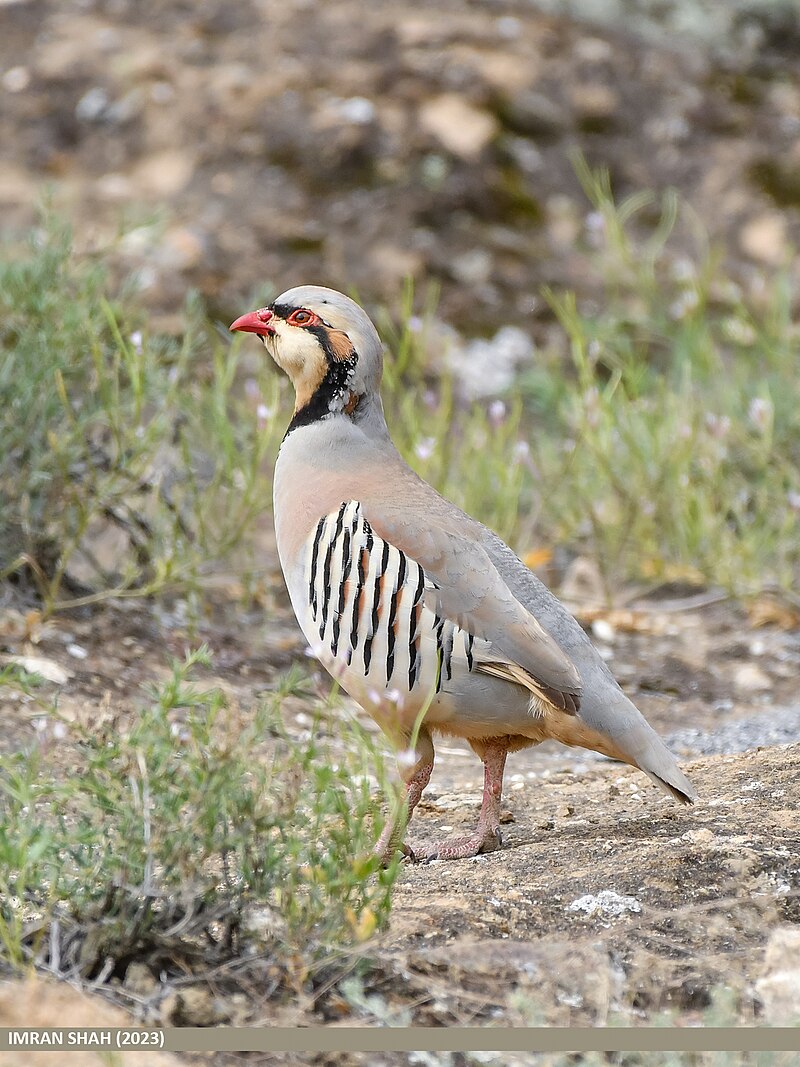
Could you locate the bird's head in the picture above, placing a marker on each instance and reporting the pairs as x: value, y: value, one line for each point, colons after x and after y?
x: 325, y: 343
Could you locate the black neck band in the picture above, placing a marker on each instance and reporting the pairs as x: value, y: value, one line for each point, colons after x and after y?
x: 332, y: 388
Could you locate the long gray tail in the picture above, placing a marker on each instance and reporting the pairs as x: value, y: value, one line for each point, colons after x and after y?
x: 651, y: 755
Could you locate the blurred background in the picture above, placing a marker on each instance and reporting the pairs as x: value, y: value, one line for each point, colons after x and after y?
x: 244, y: 143
x: 586, y: 225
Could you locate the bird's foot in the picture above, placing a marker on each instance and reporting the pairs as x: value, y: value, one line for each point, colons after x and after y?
x: 485, y: 839
x: 387, y: 853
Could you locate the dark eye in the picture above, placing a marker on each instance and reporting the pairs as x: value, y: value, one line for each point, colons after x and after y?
x: 300, y: 318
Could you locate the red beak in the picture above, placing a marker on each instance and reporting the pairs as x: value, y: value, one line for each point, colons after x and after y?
x: 255, y: 322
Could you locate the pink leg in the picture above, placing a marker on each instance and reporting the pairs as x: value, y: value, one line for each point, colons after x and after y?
x: 486, y: 837
x: 390, y: 840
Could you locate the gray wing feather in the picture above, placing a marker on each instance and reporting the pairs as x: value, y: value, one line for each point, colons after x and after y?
x: 469, y: 590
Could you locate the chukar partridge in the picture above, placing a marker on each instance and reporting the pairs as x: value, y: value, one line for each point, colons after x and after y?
x: 426, y: 618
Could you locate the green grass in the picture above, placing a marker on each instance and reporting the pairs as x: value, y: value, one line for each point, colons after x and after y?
x: 194, y: 837
x: 107, y: 434
x: 727, y: 25
x: 662, y: 439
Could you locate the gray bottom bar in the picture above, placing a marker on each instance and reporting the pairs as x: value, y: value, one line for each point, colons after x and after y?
x: 485, y: 1039
x: 411, y: 1039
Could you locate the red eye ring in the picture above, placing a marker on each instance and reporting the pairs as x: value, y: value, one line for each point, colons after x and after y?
x: 303, y: 317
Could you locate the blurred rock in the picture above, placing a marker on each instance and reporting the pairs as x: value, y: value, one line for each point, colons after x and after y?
x: 356, y: 110
x: 472, y: 268
x: 583, y: 583
x: 181, y: 249
x: 92, y: 106
x: 767, y: 728
x: 16, y: 186
x: 750, y: 678
x: 594, y: 102
x: 140, y: 980
x: 602, y: 630
x: 264, y: 923
x: 459, y: 127
x: 488, y: 367
x: 373, y: 125
x: 698, y: 837
x: 115, y: 187
x: 534, y: 114
x: 16, y: 79
x: 35, y: 1002
x: 392, y: 263
x: 165, y: 173
x: 44, y: 667
x: 194, y: 1006
x: 780, y: 986
x: 764, y: 238
x: 582, y: 973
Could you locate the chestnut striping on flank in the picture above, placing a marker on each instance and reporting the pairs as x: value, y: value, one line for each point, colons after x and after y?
x: 361, y: 589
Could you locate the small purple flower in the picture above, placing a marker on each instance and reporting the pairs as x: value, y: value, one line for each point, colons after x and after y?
x: 424, y: 448
x: 685, y: 303
x: 718, y: 425
x: 264, y: 415
x: 407, y: 758
x: 595, y: 227
x: 497, y: 413
x: 760, y: 413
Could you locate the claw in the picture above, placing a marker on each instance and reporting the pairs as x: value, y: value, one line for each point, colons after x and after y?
x: 387, y: 855
x: 408, y: 853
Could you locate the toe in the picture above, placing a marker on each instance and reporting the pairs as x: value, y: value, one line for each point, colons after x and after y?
x: 460, y: 848
x: 402, y: 851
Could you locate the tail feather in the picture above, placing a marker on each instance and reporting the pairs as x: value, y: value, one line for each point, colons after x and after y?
x: 653, y: 757
x: 683, y: 793
x: 640, y: 747
x: 616, y: 728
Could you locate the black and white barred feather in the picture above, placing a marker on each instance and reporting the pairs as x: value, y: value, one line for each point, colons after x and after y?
x: 366, y: 603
